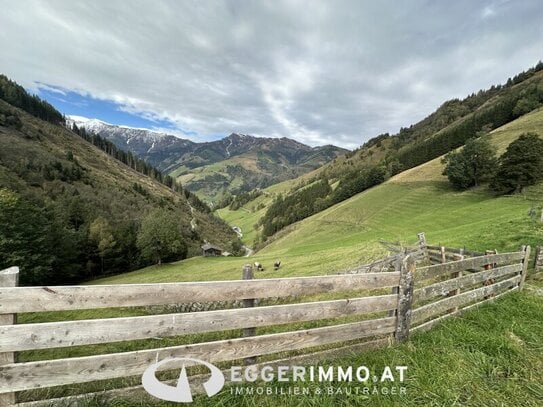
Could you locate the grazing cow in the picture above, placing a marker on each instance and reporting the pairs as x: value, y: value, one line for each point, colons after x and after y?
x: 259, y: 266
x: 276, y: 265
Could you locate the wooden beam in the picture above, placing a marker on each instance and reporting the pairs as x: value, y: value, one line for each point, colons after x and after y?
x: 457, y: 251
x: 442, y: 288
x: 38, y: 299
x: 430, y: 310
x: 405, y: 299
x: 86, y: 332
x: 524, y: 271
x: 430, y: 324
x: 138, y: 391
x: 423, y: 244
x: 437, y: 270
x: 247, y: 274
x: 40, y: 374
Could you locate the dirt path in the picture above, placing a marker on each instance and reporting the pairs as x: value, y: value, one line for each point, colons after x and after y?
x: 193, y: 220
x: 248, y: 251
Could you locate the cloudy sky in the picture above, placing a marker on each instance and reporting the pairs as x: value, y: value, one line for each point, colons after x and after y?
x: 321, y: 72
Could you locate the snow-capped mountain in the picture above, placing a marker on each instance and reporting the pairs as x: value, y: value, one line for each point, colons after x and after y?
x: 212, y: 166
x: 142, y: 142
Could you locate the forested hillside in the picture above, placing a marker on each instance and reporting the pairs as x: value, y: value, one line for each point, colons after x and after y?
x: 71, y: 211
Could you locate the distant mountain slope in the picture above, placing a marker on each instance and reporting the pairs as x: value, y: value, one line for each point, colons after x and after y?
x: 421, y: 199
x: 231, y: 165
x: 254, y: 163
x: 155, y: 147
x: 90, y: 205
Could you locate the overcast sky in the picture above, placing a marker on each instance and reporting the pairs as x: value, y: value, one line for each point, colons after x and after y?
x: 321, y: 72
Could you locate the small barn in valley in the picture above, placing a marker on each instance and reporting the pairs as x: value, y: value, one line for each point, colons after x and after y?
x: 209, y: 250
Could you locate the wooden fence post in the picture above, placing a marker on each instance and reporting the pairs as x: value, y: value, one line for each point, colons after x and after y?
x: 538, y: 261
x: 422, y: 244
x: 443, y: 256
x: 456, y: 275
x: 247, y: 274
x: 8, y: 278
x: 396, y: 290
x: 526, y: 250
x: 405, y: 299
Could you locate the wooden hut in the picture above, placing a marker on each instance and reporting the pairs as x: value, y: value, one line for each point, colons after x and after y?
x: 209, y: 250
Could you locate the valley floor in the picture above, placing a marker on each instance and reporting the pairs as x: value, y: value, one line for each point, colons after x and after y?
x: 348, y: 233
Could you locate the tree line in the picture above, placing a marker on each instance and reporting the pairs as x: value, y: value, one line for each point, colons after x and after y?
x: 316, y: 197
x: 138, y: 165
x: 17, y: 96
x: 513, y: 102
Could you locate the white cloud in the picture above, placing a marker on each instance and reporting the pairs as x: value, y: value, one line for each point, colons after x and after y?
x: 322, y: 71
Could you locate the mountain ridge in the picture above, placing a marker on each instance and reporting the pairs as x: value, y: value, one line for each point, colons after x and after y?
x: 236, y: 163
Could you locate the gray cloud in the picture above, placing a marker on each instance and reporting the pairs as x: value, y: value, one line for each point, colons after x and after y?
x: 335, y: 72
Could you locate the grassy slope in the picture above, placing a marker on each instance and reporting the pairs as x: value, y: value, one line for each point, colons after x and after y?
x: 414, y: 201
x: 247, y: 217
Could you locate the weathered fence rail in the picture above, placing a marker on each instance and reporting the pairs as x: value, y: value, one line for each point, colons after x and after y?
x: 444, y: 290
x: 391, y: 304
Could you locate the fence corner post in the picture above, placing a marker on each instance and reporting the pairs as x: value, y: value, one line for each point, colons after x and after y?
x: 422, y: 244
x: 405, y: 299
x: 526, y: 250
x: 247, y: 274
x: 8, y: 278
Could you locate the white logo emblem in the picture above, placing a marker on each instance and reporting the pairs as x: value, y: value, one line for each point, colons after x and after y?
x: 180, y: 393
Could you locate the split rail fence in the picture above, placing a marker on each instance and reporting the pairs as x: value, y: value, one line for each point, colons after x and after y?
x: 412, y: 297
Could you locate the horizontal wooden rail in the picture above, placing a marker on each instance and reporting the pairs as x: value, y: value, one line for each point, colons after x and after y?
x: 430, y: 310
x: 437, y: 270
x: 37, y: 299
x: 433, y: 322
x: 443, y: 288
x: 196, y: 380
x: 87, y: 332
x: 31, y: 375
x: 457, y: 251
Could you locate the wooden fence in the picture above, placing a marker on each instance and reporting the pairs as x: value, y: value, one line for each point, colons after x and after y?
x: 538, y: 261
x: 421, y: 297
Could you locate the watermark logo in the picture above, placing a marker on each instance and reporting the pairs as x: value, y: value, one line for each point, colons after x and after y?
x: 180, y: 393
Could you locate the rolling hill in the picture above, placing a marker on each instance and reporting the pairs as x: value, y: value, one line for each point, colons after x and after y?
x: 232, y: 165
